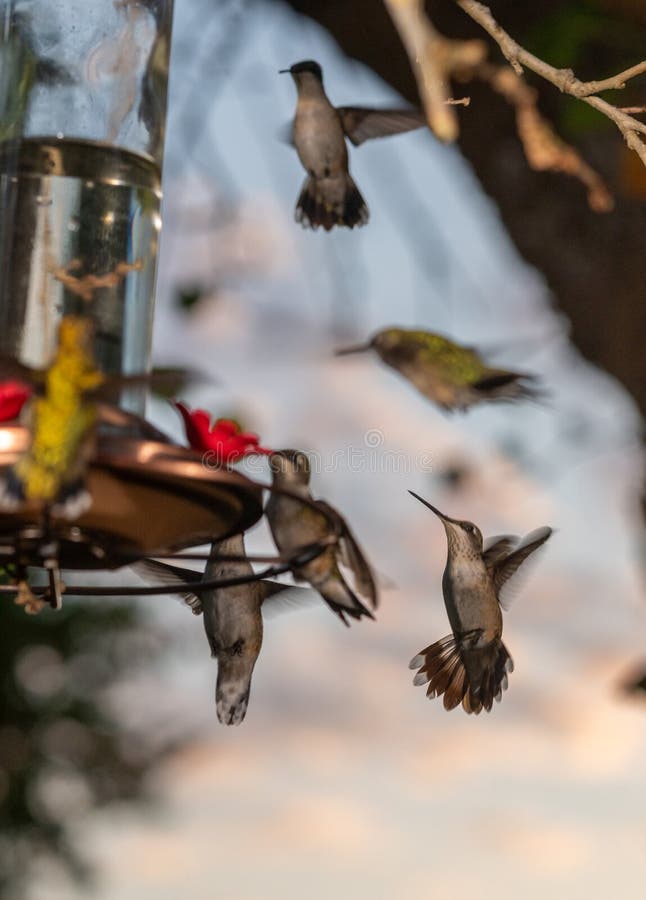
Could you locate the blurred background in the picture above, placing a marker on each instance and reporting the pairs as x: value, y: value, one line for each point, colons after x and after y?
x: 116, y: 780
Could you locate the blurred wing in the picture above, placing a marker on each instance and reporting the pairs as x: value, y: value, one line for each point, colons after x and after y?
x: 120, y: 418
x: 384, y: 582
x: 280, y: 598
x: 635, y: 682
x: 352, y: 556
x: 507, y: 567
x: 162, y: 573
x: 285, y: 133
x: 166, y: 382
x: 361, y: 123
x: 496, y: 548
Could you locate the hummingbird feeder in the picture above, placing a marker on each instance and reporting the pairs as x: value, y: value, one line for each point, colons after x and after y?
x: 82, y: 124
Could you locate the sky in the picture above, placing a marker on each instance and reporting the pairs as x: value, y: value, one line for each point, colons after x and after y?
x: 344, y: 780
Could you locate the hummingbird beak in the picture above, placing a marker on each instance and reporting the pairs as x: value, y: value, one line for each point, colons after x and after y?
x: 439, y: 514
x: 284, y: 71
x: 357, y: 348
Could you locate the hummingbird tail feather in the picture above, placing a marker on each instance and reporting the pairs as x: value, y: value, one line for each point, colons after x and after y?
x: 341, y: 599
x: 472, y: 677
x: 331, y: 201
x: 499, y: 384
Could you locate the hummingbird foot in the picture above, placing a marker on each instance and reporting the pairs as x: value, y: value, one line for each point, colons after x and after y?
x: 12, y: 492
x: 73, y: 501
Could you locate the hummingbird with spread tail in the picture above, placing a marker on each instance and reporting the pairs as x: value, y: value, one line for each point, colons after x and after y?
x: 448, y: 374
x: 232, y: 617
x: 329, y: 196
x: 471, y: 665
x: 295, y: 524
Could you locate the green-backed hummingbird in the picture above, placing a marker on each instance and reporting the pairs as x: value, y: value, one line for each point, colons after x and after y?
x: 452, y: 376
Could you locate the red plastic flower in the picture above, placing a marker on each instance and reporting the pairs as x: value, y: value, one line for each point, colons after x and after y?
x: 13, y: 396
x: 224, y: 439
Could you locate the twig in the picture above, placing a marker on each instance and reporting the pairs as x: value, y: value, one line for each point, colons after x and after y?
x: 544, y: 149
x: 615, y: 83
x: 86, y: 285
x: 430, y: 57
x: 564, y: 79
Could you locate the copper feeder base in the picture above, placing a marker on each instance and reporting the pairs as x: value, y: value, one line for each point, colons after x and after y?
x: 149, y: 498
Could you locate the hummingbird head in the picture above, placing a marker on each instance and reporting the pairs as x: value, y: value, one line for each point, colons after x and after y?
x: 383, y: 341
x: 236, y: 662
x: 290, y: 468
x: 304, y: 72
x: 462, y: 536
x: 387, y: 339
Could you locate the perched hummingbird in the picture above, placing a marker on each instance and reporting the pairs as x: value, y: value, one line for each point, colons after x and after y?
x: 62, y: 427
x: 295, y: 524
x: 329, y: 196
x: 452, y: 376
x: 232, y: 619
x: 62, y: 417
x: 470, y: 666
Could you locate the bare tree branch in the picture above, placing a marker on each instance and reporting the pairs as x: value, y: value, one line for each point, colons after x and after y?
x: 436, y: 59
x: 85, y: 286
x: 615, y: 83
x: 432, y: 58
x: 544, y: 149
x: 564, y: 79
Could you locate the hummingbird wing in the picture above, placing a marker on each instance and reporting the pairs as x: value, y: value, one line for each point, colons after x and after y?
x: 509, y: 565
x: 635, y: 682
x: 352, y: 556
x: 163, y: 573
x: 279, y: 598
x: 109, y: 414
x: 496, y: 548
x: 285, y: 133
x: 360, y: 123
x: 165, y: 381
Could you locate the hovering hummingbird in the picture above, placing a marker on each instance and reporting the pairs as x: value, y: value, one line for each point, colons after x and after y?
x: 452, y: 376
x: 295, y: 524
x: 470, y: 666
x: 329, y: 196
x: 232, y: 619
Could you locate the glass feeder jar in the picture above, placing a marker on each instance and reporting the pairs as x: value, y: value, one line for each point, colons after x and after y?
x: 83, y: 88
